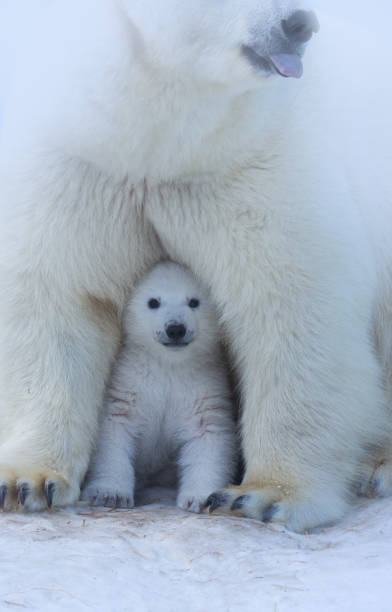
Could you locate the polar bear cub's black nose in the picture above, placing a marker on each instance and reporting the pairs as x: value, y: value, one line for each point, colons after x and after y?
x: 300, y: 27
x: 176, y: 331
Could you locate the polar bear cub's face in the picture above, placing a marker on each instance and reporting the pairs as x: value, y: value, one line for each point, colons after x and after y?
x: 171, y: 315
x: 221, y: 41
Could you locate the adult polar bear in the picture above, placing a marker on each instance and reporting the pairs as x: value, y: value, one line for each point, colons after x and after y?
x: 134, y: 129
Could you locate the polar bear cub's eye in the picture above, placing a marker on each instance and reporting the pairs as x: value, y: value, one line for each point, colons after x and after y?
x: 194, y: 303
x: 154, y: 304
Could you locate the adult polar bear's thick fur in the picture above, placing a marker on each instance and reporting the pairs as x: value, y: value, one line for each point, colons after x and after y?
x: 134, y: 130
x: 168, y: 403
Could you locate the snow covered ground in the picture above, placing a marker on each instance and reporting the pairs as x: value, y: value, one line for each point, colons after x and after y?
x: 157, y: 558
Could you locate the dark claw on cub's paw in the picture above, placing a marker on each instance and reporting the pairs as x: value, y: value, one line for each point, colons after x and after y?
x: 108, y: 501
x: 216, y: 500
x: 23, y: 491
x: 3, y: 495
x: 49, y: 492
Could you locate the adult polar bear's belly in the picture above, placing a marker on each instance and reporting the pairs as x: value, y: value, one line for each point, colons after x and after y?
x: 119, y: 145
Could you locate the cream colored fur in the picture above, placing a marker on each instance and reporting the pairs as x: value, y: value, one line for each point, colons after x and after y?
x: 135, y: 130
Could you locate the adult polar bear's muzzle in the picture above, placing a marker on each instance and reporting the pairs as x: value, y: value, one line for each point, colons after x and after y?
x: 285, y: 47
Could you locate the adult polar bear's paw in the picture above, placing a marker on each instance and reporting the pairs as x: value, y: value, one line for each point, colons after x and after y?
x: 279, y: 504
x: 34, y: 488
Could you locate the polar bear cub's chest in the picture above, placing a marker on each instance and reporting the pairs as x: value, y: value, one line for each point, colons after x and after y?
x: 164, y: 412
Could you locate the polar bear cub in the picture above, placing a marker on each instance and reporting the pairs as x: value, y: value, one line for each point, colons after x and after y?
x: 168, y: 401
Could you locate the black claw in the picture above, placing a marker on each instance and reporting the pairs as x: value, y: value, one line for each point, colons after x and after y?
x: 50, y: 488
x: 109, y: 501
x: 3, y: 495
x: 270, y: 513
x: 361, y: 486
x: 23, y: 492
x: 118, y: 501
x: 376, y: 486
x: 240, y: 502
x: 216, y: 500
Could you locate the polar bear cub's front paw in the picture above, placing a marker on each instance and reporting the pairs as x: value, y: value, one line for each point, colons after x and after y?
x: 191, y: 502
x: 103, y: 493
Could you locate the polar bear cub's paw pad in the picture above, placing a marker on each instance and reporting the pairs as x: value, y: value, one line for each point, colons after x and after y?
x: 108, y: 497
x: 34, y: 489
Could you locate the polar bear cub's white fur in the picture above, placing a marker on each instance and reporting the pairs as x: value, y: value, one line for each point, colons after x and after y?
x: 169, y: 397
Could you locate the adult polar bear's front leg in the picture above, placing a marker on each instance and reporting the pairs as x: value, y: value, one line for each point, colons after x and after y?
x: 56, y: 359
x: 297, y: 317
x: 71, y: 244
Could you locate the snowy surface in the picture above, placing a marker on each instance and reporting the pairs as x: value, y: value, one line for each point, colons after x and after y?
x: 157, y: 558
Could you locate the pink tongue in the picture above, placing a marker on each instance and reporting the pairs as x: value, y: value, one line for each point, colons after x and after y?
x: 287, y: 65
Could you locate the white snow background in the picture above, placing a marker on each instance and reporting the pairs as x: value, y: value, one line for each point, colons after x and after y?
x: 158, y: 558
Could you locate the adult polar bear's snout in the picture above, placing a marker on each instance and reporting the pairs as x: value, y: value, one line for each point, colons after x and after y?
x: 216, y: 37
x: 281, y: 51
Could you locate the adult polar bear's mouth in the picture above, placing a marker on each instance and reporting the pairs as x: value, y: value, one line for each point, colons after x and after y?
x: 285, y: 64
x: 282, y: 51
